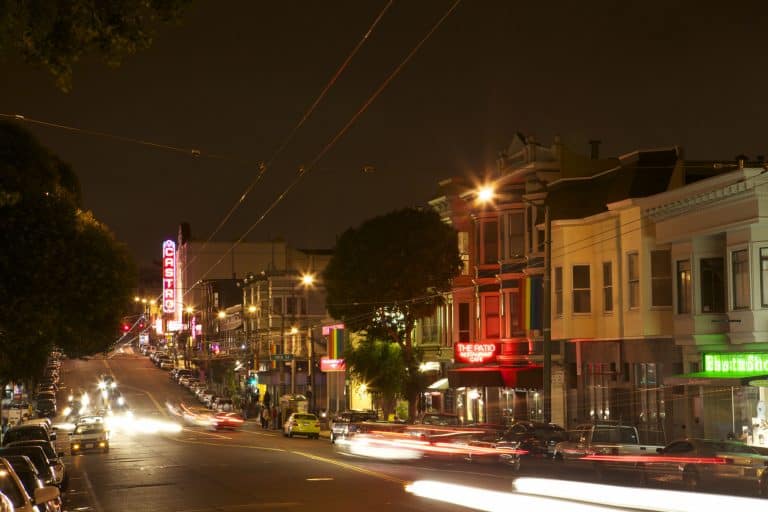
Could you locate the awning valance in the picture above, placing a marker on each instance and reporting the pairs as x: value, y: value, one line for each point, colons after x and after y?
x: 525, y: 377
x: 715, y: 378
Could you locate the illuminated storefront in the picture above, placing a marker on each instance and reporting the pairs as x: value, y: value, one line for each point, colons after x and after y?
x: 489, y: 391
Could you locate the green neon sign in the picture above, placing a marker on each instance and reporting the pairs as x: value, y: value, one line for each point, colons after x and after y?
x: 724, y: 362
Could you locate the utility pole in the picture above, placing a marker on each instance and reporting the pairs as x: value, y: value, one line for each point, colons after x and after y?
x: 547, y: 314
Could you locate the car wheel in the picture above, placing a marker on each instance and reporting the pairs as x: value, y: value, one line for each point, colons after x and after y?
x: 690, y: 479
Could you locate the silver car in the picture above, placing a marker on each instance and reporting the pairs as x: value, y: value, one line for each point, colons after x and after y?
x: 697, y: 464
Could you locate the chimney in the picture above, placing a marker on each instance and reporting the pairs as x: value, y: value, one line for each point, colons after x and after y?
x: 594, y: 153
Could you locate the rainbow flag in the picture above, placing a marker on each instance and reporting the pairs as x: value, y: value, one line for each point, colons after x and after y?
x: 336, y: 343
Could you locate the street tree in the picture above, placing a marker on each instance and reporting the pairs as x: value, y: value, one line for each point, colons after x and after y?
x: 388, y: 273
x: 379, y: 364
x: 55, y: 34
x: 64, y: 280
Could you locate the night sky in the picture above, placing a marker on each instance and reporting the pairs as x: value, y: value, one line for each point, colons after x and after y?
x: 234, y: 78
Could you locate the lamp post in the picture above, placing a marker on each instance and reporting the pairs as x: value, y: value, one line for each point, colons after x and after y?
x: 307, y: 281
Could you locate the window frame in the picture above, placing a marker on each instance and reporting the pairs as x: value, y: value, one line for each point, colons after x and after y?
x: 715, y: 307
x: 684, y: 299
x: 764, y: 277
x: 745, y: 293
x: 633, y: 282
x: 665, y: 280
x: 608, y: 287
x: 558, y: 278
x: 586, y: 291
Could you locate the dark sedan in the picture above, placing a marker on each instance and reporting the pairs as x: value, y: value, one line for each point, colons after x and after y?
x: 536, y: 438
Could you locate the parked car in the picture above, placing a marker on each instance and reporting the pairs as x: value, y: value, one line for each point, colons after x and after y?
x: 55, y: 458
x: 11, y: 486
x: 601, y: 439
x: 30, y: 479
x: 39, y: 459
x: 46, y: 408
x: 696, y: 464
x: 27, y: 432
x: 439, y: 419
x: 302, y: 424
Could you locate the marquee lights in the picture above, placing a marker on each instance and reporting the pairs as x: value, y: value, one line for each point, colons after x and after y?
x: 169, y: 276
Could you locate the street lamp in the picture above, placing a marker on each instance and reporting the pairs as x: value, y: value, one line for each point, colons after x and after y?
x: 308, y: 281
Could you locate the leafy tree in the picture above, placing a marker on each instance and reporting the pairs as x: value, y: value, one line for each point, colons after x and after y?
x: 64, y: 280
x: 56, y: 33
x: 387, y: 274
x: 380, y: 365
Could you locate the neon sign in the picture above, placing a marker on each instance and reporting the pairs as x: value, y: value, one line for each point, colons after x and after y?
x: 476, y: 352
x: 724, y: 362
x: 332, y: 365
x: 169, y: 276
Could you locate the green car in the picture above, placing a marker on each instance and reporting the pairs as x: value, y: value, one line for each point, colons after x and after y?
x: 302, y: 424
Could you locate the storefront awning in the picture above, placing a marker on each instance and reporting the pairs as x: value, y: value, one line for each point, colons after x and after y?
x: 439, y: 384
x: 715, y: 378
x: 527, y: 377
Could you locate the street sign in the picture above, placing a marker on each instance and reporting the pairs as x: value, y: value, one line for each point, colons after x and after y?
x: 281, y: 357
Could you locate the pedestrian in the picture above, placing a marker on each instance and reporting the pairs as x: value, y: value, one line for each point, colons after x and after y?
x: 265, y: 417
x: 275, y: 414
x: 267, y: 399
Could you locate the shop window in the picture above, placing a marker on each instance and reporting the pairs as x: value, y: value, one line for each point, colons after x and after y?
x: 661, y: 279
x: 581, y: 291
x: 740, y: 278
x: 633, y: 280
x: 464, y: 333
x: 684, y: 287
x: 607, y: 286
x: 558, y: 290
x: 712, y: 285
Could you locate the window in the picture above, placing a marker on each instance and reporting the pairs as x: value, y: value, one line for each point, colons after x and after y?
x: 633, y: 276
x: 764, y: 277
x: 661, y: 279
x: 491, y: 308
x: 290, y: 306
x: 490, y: 242
x: 581, y: 291
x: 464, y: 321
x: 514, y: 312
x: 712, y: 285
x: 559, y: 290
x: 684, y: 287
x: 464, y: 251
x: 740, y: 266
x: 607, y: 286
x: 277, y: 305
x: 516, y: 235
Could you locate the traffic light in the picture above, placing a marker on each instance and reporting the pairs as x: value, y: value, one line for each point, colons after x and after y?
x: 252, y: 380
x: 141, y: 324
x: 126, y: 327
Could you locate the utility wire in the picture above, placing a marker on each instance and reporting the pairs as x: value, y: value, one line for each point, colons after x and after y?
x: 304, y: 170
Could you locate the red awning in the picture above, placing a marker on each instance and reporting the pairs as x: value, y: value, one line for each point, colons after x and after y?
x: 525, y: 377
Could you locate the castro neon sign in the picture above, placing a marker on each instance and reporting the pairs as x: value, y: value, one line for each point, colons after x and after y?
x: 169, y: 276
x: 476, y: 352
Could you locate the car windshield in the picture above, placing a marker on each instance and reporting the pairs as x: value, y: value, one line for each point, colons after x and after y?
x: 305, y: 417
x: 91, y: 428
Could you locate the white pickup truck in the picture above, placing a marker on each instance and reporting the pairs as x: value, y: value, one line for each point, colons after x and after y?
x: 602, y: 439
x: 89, y: 436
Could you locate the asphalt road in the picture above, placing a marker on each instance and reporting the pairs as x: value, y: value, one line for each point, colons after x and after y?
x: 252, y: 469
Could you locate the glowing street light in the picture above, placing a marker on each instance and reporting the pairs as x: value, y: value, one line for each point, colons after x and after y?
x: 308, y: 279
x: 222, y: 315
x: 485, y: 194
